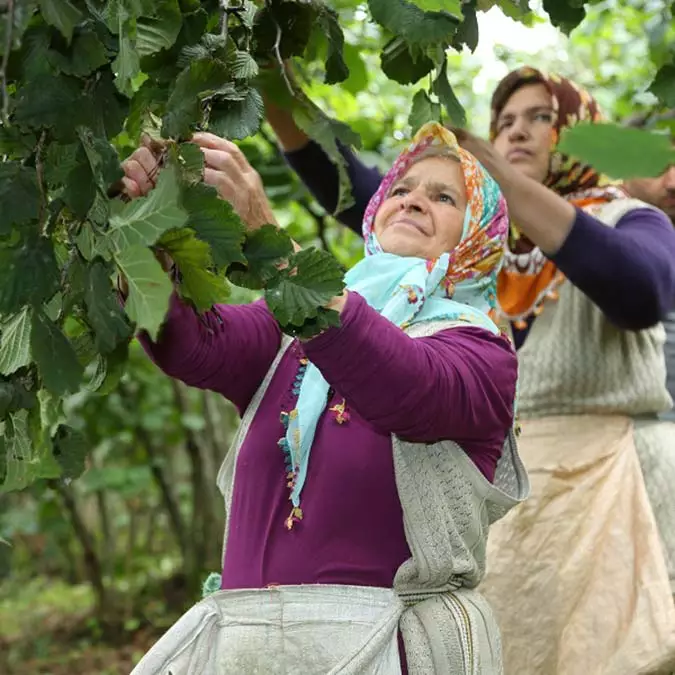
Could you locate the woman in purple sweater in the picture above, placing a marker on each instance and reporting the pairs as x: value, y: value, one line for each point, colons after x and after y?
x: 588, y: 276
x: 405, y: 408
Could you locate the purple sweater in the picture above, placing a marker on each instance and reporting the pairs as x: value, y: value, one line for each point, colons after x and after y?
x: 627, y: 271
x: 458, y: 384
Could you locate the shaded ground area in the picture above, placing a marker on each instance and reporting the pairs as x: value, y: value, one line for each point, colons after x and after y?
x: 50, y: 628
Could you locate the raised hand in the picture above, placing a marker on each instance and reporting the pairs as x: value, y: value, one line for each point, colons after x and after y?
x: 227, y: 169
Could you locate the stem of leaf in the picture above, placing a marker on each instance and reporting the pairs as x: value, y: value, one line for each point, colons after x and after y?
x: 5, y: 59
x: 277, y: 51
x: 224, y: 7
x: 39, y: 168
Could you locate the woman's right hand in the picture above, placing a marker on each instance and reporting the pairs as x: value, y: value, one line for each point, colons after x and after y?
x: 141, y: 169
x: 140, y: 176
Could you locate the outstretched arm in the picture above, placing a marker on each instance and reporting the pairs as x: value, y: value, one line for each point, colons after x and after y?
x: 458, y: 384
x: 318, y: 172
x: 230, y: 348
x: 628, y: 271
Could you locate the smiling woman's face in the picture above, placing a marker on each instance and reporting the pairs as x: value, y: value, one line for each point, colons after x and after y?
x: 423, y: 214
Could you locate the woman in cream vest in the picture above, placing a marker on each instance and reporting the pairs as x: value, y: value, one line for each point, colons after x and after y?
x: 372, y: 458
x: 579, y: 574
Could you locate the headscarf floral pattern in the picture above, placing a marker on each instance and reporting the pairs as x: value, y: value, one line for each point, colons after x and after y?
x: 528, y: 277
x: 469, y: 272
x: 459, y: 286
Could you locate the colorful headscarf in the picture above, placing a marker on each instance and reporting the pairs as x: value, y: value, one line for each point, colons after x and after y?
x: 460, y: 286
x: 528, y: 277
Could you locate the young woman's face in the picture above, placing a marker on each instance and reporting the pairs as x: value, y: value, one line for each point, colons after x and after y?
x: 525, y: 130
x: 423, y: 213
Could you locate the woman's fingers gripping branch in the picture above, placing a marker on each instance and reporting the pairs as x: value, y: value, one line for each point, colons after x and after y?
x: 227, y: 169
x: 140, y: 171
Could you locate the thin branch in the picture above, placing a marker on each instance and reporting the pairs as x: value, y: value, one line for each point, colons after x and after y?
x: 277, y: 50
x: 40, y: 169
x: 224, y: 17
x: 5, y: 60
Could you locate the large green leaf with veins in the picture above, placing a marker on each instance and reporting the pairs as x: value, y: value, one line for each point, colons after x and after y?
x: 143, y: 221
x: 620, y: 152
x: 149, y: 288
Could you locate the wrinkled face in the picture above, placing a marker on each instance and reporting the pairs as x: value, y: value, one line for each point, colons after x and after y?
x: 657, y: 191
x: 423, y: 214
x: 525, y: 129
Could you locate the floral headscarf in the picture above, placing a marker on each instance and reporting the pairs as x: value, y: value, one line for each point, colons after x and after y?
x: 460, y: 286
x: 528, y: 277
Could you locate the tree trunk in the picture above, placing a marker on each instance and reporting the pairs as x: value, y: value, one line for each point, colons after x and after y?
x: 92, y: 562
x: 168, y: 498
x: 202, y: 503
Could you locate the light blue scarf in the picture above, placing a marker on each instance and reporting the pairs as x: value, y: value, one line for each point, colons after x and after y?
x: 409, y: 290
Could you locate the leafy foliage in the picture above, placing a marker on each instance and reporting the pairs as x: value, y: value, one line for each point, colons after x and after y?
x: 84, y: 80
x: 619, y: 152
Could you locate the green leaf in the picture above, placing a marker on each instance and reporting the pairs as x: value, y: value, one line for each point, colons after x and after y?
x: 423, y: 110
x: 453, y: 7
x: 104, y: 312
x: 311, y: 280
x: 55, y: 357
x: 215, y: 222
x: 193, y: 259
x: 399, y: 63
x: 70, y: 450
x: 126, y: 66
x: 15, y: 342
x: 51, y: 102
x: 144, y: 220
x: 326, y: 132
x: 62, y: 15
x: 28, y: 274
x: 87, y: 54
x: 663, y: 86
x: 237, y: 119
x: 336, y: 68
x: 264, y: 249
x: 244, y: 66
x: 158, y: 32
x: 191, y: 161
x: 620, y: 152
x: 26, y: 462
x: 358, y: 73
x: 446, y: 96
x: 565, y: 15
x: 467, y: 33
x: 103, y: 159
x: 19, y: 195
x: 149, y: 288
x: 60, y: 161
x: 184, y: 108
x: 413, y: 24
x: 80, y: 191
x: 115, y: 367
x: 292, y: 21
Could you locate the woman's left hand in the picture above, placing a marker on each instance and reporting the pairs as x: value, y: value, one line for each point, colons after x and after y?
x: 481, y: 149
x: 227, y: 169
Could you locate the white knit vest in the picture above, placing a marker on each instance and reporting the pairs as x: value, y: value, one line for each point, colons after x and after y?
x: 574, y: 361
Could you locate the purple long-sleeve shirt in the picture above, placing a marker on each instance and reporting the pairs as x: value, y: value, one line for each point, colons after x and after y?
x: 458, y: 384
x: 627, y: 271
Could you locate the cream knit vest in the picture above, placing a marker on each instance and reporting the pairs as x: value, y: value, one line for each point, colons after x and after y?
x: 575, y: 362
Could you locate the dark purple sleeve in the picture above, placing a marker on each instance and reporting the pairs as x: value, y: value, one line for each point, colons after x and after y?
x: 628, y: 271
x: 320, y: 176
x: 458, y: 384
x: 228, y: 350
